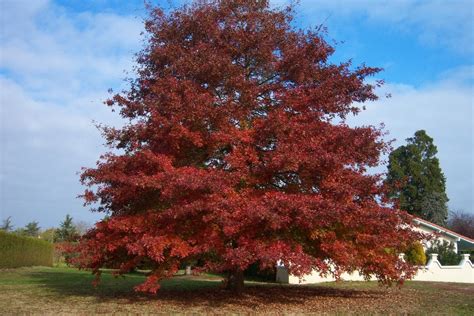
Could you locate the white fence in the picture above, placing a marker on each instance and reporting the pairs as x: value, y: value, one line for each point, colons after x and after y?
x: 433, y: 271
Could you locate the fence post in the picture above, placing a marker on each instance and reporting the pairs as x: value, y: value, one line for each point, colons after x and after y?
x: 465, y: 258
x: 402, y: 257
x: 433, y: 259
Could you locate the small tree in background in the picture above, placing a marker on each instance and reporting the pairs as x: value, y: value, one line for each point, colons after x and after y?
x: 66, y: 232
x: 462, y: 223
x: 31, y: 229
x: 416, y: 180
x: 7, y: 224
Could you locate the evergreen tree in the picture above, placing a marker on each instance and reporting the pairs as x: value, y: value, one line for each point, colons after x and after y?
x: 66, y: 231
x: 31, y: 229
x: 416, y: 179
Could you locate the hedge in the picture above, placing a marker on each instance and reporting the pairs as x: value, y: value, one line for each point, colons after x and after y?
x: 18, y: 251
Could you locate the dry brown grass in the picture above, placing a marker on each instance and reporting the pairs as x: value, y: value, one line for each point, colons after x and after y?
x: 67, y: 291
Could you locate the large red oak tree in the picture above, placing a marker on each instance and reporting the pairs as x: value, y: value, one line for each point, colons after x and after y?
x: 237, y: 152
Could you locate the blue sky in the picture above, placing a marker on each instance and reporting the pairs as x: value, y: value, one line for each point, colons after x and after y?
x: 58, y: 58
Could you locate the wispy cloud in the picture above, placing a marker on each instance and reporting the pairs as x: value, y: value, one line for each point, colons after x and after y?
x: 444, y: 108
x: 55, y: 69
x: 46, y: 48
x: 43, y: 146
x: 434, y: 22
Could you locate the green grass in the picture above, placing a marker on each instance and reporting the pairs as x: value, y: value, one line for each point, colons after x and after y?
x: 66, y: 281
x: 41, y: 290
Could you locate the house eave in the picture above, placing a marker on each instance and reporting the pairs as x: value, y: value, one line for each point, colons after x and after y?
x: 441, y: 230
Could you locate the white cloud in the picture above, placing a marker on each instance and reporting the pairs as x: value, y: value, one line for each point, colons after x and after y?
x: 444, y: 109
x: 56, y: 67
x: 46, y: 48
x: 43, y: 146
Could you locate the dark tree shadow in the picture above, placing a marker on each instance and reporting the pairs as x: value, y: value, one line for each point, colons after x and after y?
x: 188, y: 290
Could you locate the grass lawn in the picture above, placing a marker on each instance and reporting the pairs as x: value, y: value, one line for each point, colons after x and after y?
x: 42, y: 290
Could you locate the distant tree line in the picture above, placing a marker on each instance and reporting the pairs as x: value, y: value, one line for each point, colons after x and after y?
x: 68, y: 230
x: 462, y: 223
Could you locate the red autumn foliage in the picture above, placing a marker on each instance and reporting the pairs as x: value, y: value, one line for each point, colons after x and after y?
x: 237, y: 152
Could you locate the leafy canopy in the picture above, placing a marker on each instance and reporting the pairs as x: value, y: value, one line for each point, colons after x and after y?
x: 462, y: 223
x: 236, y: 151
x: 416, y: 179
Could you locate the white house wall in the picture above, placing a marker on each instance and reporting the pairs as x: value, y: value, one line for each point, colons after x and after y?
x: 433, y: 272
x: 439, y: 236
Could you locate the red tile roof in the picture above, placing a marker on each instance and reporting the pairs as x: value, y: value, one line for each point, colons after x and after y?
x: 443, y: 229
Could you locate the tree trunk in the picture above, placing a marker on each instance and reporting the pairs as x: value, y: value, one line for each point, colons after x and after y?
x: 235, y: 281
x: 187, y: 271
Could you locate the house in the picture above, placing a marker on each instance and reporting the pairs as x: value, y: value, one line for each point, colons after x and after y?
x: 460, y: 242
x: 433, y: 271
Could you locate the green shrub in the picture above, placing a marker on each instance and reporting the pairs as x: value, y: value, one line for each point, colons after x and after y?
x: 19, y: 251
x: 446, y: 254
x: 416, y: 254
